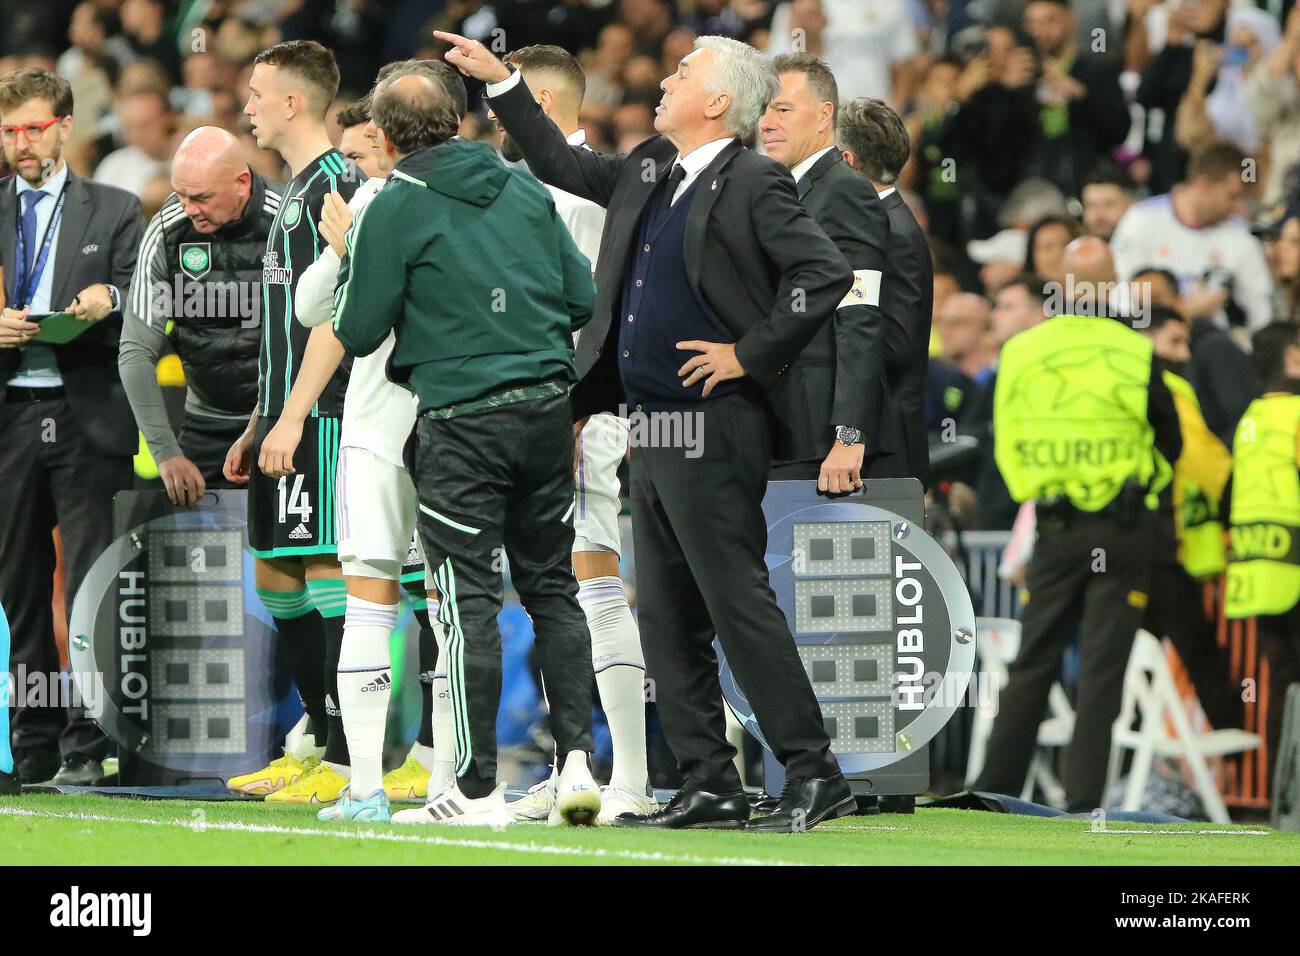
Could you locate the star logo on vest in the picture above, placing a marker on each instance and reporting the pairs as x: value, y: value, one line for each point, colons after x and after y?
x: 196, y: 259
x: 292, y: 213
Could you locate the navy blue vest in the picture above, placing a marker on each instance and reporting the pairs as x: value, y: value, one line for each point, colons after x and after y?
x: 660, y: 309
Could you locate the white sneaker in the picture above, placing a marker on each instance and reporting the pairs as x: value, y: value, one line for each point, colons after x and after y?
x: 577, y: 798
x: 537, y: 804
x: 616, y: 800
x: 453, y: 808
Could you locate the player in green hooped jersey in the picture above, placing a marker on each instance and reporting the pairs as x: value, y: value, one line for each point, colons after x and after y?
x: 291, y: 519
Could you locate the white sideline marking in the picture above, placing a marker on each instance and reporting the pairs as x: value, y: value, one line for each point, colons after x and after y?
x: 1188, y: 832
x: 544, y: 849
x: 864, y: 826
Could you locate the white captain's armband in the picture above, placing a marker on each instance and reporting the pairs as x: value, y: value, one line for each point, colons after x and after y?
x: 865, y: 291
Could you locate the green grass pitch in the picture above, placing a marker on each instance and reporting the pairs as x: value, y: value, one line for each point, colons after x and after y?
x: 71, y: 830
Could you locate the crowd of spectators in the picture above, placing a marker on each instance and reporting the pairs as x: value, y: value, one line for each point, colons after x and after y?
x: 1171, y: 129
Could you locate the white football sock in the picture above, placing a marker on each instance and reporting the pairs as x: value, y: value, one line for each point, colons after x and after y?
x: 620, y: 676
x: 442, y: 771
x: 301, y: 744
x: 422, y: 755
x: 365, y: 685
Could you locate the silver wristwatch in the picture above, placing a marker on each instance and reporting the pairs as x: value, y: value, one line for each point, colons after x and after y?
x: 846, y: 435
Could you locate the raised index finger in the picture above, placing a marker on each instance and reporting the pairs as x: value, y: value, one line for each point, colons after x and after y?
x: 455, y: 39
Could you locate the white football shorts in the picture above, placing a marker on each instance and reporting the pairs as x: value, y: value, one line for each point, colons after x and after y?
x: 602, y: 445
x: 376, y: 514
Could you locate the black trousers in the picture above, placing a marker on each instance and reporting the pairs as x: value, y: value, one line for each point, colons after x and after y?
x: 496, y: 482
x: 700, y: 537
x: 1069, y: 593
x: 1177, y: 611
x: 205, y: 441
x: 1279, y: 641
x: 51, y: 476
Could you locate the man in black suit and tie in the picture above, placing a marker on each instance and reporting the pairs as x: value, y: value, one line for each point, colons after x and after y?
x: 66, y: 433
x: 831, y: 398
x: 706, y: 250
x: 875, y: 143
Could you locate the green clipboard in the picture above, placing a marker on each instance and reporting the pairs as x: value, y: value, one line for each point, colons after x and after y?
x: 58, y: 328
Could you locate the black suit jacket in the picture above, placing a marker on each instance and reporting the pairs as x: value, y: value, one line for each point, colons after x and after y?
x: 98, y: 238
x: 839, y: 378
x: 768, y: 276
x: 906, y: 300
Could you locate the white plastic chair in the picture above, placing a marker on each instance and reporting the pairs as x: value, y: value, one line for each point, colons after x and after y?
x: 1164, y: 729
x: 997, y: 642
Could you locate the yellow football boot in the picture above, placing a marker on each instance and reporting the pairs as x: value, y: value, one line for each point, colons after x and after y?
x: 319, y: 785
x: 281, y: 773
x: 410, y: 781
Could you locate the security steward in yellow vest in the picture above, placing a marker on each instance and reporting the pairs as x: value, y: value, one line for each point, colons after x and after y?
x: 1084, y: 425
x: 1264, y: 514
x: 1189, y: 545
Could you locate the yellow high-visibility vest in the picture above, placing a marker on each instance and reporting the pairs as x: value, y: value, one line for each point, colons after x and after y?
x: 1264, y: 563
x: 1199, y: 476
x: 1070, y: 413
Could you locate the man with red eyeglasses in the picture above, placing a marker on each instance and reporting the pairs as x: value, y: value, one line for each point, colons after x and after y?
x: 66, y: 430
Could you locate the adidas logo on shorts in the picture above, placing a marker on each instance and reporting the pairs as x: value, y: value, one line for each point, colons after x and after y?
x: 300, y: 532
x: 382, y: 682
x: 331, y: 708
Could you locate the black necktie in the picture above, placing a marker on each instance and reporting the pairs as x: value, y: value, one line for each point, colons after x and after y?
x: 674, y: 180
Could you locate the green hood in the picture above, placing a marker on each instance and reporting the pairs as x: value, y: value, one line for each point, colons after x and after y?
x: 459, y: 168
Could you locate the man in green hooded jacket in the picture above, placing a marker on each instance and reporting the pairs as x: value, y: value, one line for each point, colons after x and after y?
x: 467, y: 262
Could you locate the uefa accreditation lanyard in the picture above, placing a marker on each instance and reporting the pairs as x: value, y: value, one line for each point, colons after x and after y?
x: 32, y: 282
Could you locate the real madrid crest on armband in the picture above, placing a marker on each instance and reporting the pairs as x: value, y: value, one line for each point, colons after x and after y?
x: 292, y: 213
x: 196, y: 259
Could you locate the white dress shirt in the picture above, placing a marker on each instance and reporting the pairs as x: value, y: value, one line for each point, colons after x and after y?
x: 801, y: 168
x: 696, y: 161
x: 38, y: 368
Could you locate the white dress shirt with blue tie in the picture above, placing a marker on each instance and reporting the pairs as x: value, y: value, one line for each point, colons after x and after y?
x: 38, y: 367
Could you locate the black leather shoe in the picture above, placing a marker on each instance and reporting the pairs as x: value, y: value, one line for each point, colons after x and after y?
x: 79, y: 772
x: 765, y: 804
x: 35, y: 769
x: 694, y: 809
x: 897, y: 804
x: 9, y: 785
x: 806, y: 802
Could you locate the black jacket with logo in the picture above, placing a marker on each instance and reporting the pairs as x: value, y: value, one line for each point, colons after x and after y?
x: 209, y: 286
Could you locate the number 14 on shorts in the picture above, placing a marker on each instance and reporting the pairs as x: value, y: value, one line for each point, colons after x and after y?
x: 293, y: 500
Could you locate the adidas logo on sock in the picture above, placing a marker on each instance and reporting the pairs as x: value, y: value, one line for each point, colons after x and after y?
x: 300, y: 532
x: 382, y: 682
x: 331, y: 708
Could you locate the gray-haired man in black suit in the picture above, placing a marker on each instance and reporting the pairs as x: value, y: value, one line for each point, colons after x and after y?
x: 66, y: 432
x: 712, y: 278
